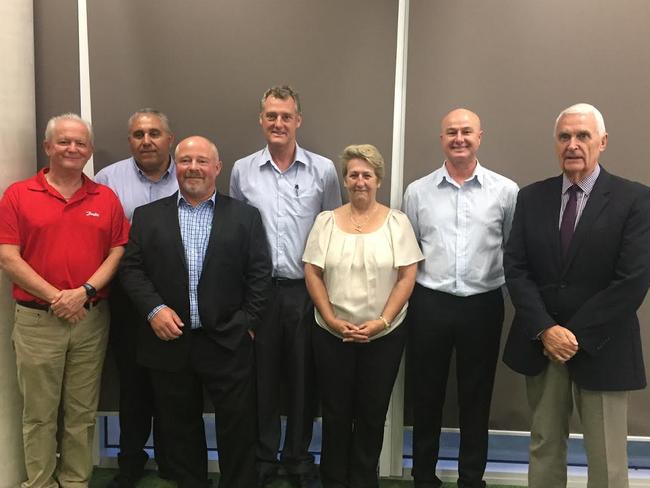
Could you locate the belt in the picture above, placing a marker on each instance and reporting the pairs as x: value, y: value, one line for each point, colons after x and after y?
x: 46, y: 307
x: 280, y: 281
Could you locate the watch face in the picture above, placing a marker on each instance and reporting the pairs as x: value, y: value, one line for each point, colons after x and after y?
x: 90, y: 290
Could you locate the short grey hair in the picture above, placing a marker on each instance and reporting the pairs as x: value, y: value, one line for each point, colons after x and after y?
x: 366, y: 152
x: 51, y: 125
x: 281, y: 92
x: 583, y: 109
x: 149, y: 111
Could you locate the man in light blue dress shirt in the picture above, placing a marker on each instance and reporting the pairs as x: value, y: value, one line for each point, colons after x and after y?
x: 462, y: 214
x: 290, y: 186
x: 148, y: 175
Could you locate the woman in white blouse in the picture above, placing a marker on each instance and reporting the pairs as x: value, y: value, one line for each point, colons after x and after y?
x: 360, y: 267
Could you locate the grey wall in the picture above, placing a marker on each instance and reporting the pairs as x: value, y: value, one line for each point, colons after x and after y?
x: 56, y: 56
x: 517, y: 63
x: 206, y: 64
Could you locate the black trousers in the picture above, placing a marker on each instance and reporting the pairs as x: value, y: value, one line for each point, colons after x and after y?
x: 283, y: 352
x: 136, y: 395
x: 355, y: 381
x: 227, y: 376
x: 440, y: 323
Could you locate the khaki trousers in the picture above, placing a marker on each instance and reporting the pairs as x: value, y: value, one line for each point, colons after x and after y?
x: 603, y: 415
x: 59, y: 364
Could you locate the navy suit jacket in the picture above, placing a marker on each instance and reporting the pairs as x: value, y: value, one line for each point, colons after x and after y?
x: 233, y: 289
x: 594, y: 292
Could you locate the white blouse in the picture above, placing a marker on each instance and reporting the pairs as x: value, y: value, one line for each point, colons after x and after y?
x: 360, y: 270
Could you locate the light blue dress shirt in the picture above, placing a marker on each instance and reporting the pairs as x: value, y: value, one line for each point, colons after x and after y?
x: 462, y: 230
x: 132, y: 186
x: 289, y: 201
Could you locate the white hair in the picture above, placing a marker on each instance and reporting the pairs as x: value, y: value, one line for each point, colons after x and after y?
x: 51, y: 124
x: 583, y: 109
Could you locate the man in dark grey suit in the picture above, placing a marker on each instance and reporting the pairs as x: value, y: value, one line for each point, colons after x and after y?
x: 577, y: 266
x: 197, y: 267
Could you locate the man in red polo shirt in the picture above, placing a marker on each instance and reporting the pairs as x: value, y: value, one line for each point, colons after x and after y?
x: 61, y: 240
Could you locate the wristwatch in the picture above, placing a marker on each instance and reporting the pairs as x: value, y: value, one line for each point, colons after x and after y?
x: 90, y: 290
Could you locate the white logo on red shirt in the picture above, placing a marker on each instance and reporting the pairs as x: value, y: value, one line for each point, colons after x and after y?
x: 90, y: 213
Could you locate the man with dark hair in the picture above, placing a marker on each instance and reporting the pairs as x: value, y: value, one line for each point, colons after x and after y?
x: 61, y: 239
x: 290, y: 186
x: 146, y: 176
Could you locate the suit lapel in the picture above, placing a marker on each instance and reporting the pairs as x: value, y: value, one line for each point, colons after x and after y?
x: 551, y: 203
x: 217, y: 229
x: 171, y: 219
x: 598, y: 200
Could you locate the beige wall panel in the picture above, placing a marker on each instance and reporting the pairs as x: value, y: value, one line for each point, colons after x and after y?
x: 518, y: 63
x: 17, y: 161
x: 206, y: 64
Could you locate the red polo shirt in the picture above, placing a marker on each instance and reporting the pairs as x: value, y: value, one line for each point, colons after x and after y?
x: 64, y: 242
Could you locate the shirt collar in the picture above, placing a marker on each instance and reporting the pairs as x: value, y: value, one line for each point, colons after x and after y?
x: 478, y: 175
x: 180, y: 199
x: 301, y: 156
x: 586, y: 184
x: 171, y: 169
x: 39, y: 183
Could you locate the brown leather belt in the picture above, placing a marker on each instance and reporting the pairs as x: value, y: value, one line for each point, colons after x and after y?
x: 45, y: 307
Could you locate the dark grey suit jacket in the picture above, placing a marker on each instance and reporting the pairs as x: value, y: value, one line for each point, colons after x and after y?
x: 594, y: 292
x: 233, y: 289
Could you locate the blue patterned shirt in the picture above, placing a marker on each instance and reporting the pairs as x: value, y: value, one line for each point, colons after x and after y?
x: 195, y: 224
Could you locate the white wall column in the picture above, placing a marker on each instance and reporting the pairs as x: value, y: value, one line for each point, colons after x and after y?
x: 17, y: 161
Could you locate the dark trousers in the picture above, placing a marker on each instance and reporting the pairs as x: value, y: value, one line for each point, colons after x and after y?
x: 440, y: 323
x: 283, y: 352
x: 228, y: 379
x: 136, y: 395
x: 355, y: 381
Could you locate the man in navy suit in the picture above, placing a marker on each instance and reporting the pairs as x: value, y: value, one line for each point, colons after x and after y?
x: 197, y: 267
x: 577, y: 266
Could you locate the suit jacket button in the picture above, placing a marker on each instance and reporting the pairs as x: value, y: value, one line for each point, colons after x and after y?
x: 563, y: 284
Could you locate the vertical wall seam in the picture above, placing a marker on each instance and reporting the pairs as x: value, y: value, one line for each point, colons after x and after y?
x: 84, y: 74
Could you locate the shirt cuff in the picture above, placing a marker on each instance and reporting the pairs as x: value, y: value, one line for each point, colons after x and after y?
x: 155, y: 311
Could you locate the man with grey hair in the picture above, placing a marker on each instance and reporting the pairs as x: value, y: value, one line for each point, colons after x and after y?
x: 577, y: 265
x: 146, y: 176
x: 61, y: 239
x: 290, y: 186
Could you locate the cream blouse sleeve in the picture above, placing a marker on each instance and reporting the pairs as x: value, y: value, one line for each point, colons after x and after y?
x: 405, y: 246
x: 319, y: 239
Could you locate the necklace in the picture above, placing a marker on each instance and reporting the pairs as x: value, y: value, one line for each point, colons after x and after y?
x: 358, y: 226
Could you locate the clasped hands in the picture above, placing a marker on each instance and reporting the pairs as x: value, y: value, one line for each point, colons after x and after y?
x: 560, y: 344
x: 69, y: 304
x: 357, y: 333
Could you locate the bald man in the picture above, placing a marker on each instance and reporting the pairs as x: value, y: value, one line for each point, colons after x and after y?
x: 461, y: 214
x: 197, y: 267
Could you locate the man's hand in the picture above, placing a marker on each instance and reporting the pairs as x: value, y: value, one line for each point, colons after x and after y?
x: 166, y: 324
x: 68, y: 304
x: 560, y: 344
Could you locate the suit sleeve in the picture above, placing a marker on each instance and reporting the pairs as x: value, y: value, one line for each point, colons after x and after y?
x: 530, y: 310
x: 257, y: 274
x: 601, y: 316
x: 132, y: 271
